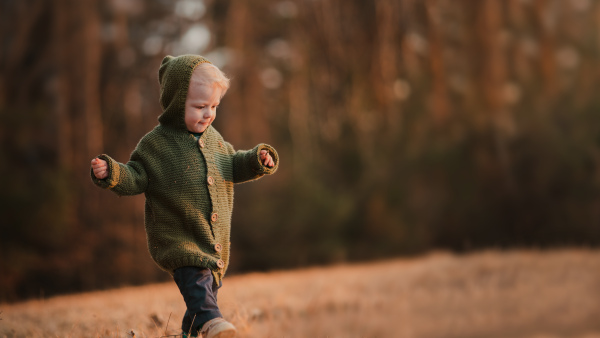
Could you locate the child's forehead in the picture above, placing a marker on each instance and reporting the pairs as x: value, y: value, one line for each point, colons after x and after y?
x: 201, y: 82
x: 202, y: 90
x: 198, y: 75
x: 209, y: 78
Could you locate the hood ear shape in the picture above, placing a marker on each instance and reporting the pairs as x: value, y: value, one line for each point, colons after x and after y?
x: 163, y: 67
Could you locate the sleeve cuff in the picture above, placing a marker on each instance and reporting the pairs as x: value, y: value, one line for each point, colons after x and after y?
x: 113, y: 173
x: 258, y: 166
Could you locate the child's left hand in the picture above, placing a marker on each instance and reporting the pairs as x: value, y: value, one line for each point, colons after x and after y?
x: 266, y: 158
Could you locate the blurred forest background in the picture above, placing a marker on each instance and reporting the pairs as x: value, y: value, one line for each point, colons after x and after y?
x: 402, y: 126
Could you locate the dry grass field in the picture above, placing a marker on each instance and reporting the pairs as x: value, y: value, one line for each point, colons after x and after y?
x: 539, y: 294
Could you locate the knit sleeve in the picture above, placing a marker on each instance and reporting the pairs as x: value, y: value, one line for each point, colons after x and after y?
x: 123, y: 179
x: 247, y: 165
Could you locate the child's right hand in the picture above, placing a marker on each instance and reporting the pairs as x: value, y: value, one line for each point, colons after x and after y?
x: 100, y: 168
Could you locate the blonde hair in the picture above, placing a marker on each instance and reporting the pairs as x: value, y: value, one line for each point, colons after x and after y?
x: 212, y: 76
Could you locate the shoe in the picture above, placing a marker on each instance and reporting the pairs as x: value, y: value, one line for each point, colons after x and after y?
x: 218, y: 328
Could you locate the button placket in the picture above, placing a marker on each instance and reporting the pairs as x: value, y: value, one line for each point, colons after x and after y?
x: 209, y: 179
x: 212, y: 175
x: 211, y: 169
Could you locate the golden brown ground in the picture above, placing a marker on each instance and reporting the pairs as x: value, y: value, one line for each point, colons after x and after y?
x: 490, y: 294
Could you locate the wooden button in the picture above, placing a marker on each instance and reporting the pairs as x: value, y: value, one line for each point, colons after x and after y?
x: 201, y: 143
x: 210, y: 180
x: 218, y: 247
x: 214, y: 217
x: 220, y: 264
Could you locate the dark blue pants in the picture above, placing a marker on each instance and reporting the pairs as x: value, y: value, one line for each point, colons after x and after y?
x: 199, y: 291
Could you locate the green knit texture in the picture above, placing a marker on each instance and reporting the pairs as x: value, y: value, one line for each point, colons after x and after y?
x: 188, y: 183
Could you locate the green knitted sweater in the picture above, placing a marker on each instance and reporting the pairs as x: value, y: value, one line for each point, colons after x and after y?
x: 188, y: 183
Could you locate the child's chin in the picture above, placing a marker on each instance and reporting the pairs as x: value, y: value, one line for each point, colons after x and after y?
x: 200, y: 129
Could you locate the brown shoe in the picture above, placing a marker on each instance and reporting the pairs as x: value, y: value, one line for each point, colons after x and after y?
x: 218, y: 328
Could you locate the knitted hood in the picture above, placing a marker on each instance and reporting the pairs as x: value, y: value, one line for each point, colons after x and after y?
x: 174, y: 78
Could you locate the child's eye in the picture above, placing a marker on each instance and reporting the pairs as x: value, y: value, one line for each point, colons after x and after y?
x: 215, y: 107
x: 201, y: 107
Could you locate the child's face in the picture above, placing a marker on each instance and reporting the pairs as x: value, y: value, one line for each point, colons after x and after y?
x: 201, y: 104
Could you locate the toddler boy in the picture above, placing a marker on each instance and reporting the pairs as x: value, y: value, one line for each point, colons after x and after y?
x: 187, y: 171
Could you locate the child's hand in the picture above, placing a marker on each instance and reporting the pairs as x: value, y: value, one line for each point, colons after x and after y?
x: 100, y: 168
x: 266, y: 158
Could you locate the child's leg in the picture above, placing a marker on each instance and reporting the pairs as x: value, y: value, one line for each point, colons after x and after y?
x: 200, y: 295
